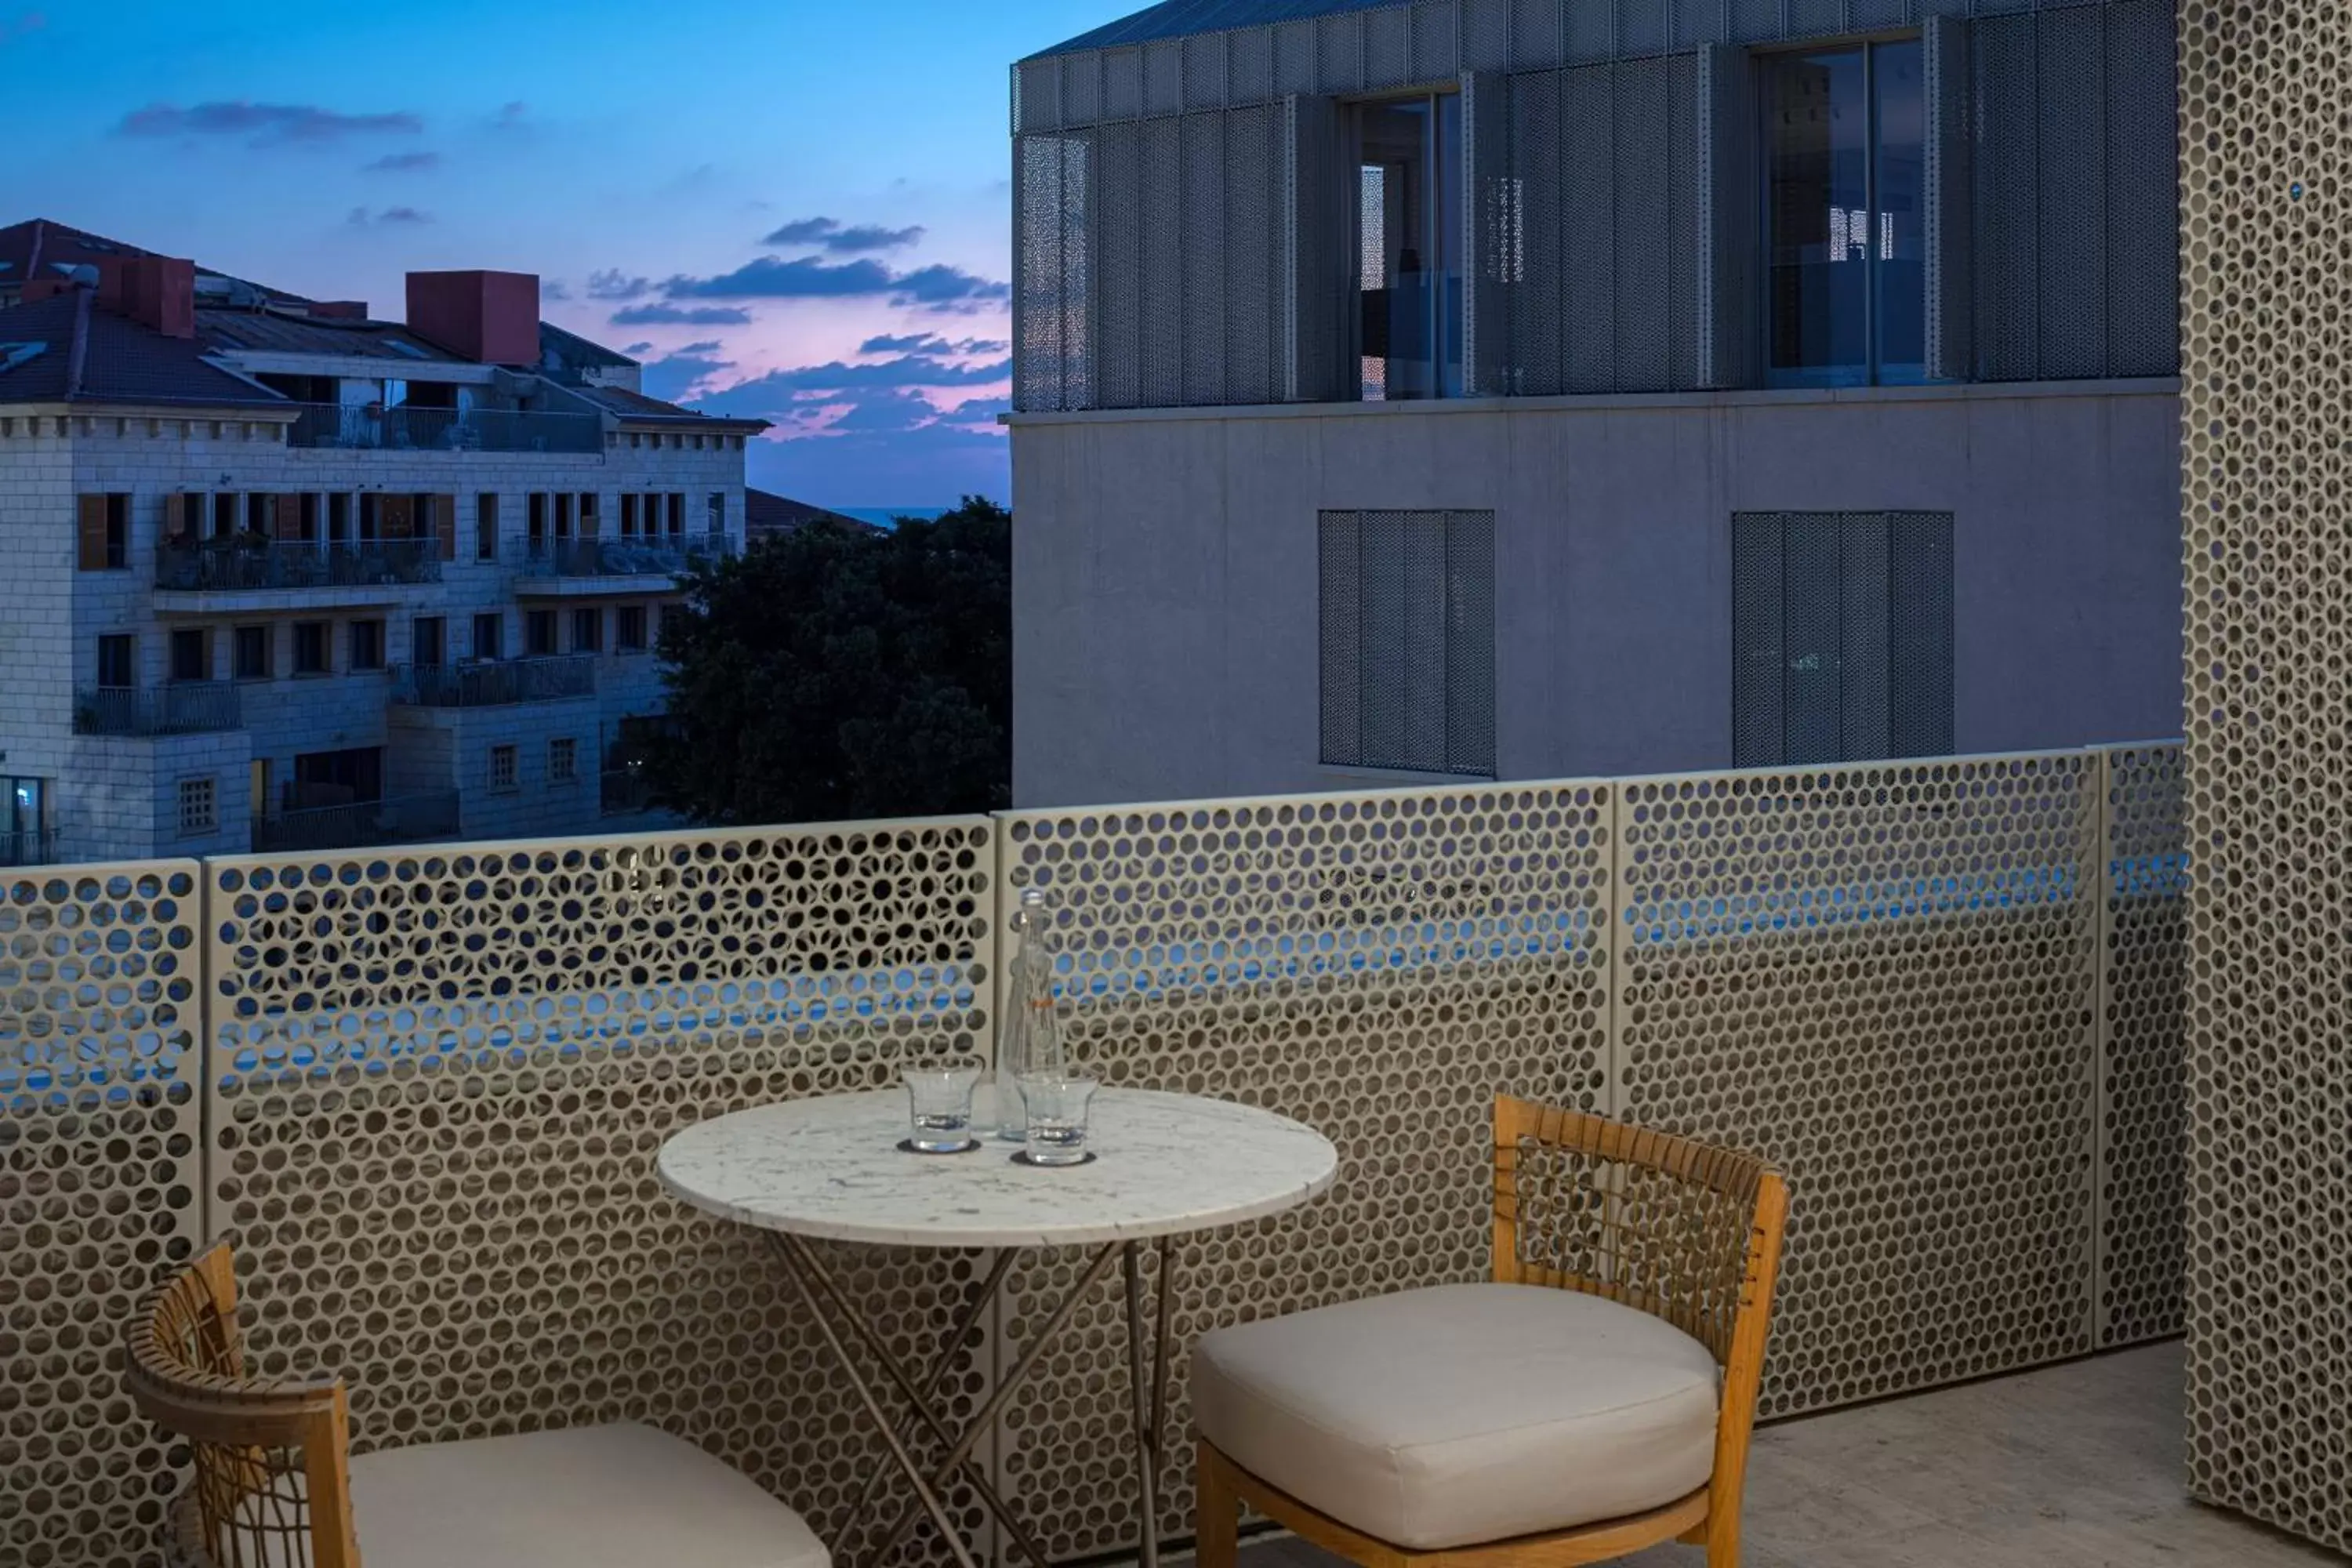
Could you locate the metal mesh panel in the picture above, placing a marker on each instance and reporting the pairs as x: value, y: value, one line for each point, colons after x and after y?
x: 1605, y: 171
x: 2071, y: 248
x: 439, y: 1079
x: 100, y: 1139
x: 1152, y: 262
x: 2142, y: 191
x: 2143, y: 1102
x: 1378, y: 966
x: 2266, y: 314
x: 1946, y: 198
x: 2074, y: 244
x: 1408, y: 648
x: 1934, y: 1106
x: 1729, y: 283
x: 1052, y: 276
x: 1842, y: 631
x: 1919, y: 640
x: 1758, y: 639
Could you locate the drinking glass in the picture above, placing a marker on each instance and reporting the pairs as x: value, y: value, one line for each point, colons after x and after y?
x: 939, y: 1107
x: 1056, y: 1103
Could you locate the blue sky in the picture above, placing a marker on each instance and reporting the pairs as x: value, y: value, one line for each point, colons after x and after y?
x: 798, y: 210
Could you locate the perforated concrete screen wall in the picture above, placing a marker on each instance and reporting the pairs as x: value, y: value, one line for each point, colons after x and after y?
x: 2266, y: 320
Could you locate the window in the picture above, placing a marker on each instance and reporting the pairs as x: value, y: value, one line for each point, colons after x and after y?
x: 104, y: 540
x: 1845, y: 142
x: 1842, y: 627
x: 199, y: 807
x: 489, y: 634
x: 588, y: 629
x: 563, y: 760
x: 629, y: 628
x: 1409, y: 266
x: 563, y: 515
x: 587, y: 514
x: 1408, y: 640
x: 538, y: 633
x: 117, y: 661
x: 676, y: 513
x: 503, y: 774
x: 535, y: 516
x: 192, y: 654
x: 224, y: 516
x: 249, y: 653
x: 339, y: 518
x: 428, y: 640
x: 486, y: 526
x: 311, y: 647
x: 717, y: 519
x: 629, y: 515
x: 367, y: 645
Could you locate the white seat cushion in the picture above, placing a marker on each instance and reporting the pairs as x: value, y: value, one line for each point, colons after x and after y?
x: 623, y: 1496
x: 1463, y: 1414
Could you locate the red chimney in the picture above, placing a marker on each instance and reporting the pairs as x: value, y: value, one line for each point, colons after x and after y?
x: 489, y: 317
x: 160, y: 291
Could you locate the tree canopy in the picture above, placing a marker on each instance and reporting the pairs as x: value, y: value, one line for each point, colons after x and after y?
x: 839, y: 671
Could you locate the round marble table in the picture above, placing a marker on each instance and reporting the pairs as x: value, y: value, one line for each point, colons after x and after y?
x: 829, y: 1169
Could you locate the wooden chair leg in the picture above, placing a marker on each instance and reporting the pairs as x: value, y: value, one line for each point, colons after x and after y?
x: 1219, y: 1521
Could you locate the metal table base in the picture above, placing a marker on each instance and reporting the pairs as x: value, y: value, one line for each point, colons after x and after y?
x: 834, y: 1312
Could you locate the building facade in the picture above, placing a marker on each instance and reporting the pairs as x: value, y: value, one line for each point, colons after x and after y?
x: 282, y: 577
x: 1544, y: 388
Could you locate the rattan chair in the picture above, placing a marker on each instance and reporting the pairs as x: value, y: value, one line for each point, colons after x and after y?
x: 275, y: 1485
x: 1595, y: 1399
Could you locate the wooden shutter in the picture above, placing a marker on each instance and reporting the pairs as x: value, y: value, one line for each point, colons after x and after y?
x: 396, y: 516
x: 287, y: 519
x: 90, y: 553
x: 182, y: 518
x: 445, y: 523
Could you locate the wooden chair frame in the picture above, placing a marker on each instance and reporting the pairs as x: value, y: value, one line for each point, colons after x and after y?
x: 273, y: 1458
x: 1733, y: 1329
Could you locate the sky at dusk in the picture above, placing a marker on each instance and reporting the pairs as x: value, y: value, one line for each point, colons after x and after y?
x: 791, y: 210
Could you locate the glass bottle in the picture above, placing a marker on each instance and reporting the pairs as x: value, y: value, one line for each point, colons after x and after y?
x: 1030, y: 1039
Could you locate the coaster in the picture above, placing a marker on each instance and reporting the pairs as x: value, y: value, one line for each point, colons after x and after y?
x: 1020, y: 1157
x: 907, y: 1146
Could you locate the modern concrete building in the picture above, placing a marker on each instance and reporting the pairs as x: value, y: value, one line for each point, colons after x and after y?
x: 281, y: 576
x: 1542, y: 388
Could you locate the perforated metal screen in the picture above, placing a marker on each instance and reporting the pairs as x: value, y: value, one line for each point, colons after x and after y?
x: 2076, y: 255
x: 2266, y: 417
x: 1842, y: 627
x: 1945, y: 995
x: 1408, y: 640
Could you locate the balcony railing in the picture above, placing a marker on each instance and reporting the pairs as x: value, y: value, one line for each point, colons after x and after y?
x: 243, y: 565
x: 406, y: 819
x: 407, y: 429
x: 494, y: 683
x: 641, y: 555
x: 28, y: 847
x: 1944, y: 995
x: 181, y: 707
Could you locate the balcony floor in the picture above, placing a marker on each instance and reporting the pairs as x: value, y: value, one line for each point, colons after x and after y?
x: 2070, y: 1466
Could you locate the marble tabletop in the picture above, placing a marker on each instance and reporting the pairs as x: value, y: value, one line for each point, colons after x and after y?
x: 830, y: 1167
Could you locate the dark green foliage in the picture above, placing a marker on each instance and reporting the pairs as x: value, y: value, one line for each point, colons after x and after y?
x: 839, y: 672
